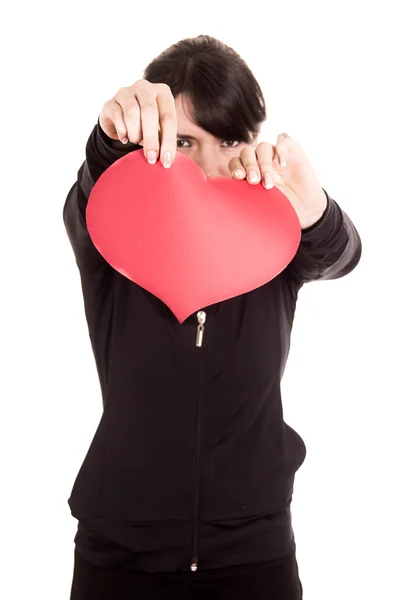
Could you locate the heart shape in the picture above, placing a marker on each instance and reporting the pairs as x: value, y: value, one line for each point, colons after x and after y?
x: 189, y: 240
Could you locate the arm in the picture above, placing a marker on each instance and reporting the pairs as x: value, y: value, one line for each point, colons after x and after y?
x: 329, y: 249
x: 101, y: 152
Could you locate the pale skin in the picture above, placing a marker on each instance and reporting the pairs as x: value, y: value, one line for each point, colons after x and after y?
x: 149, y: 115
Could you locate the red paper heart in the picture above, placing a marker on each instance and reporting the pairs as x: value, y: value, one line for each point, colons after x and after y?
x: 190, y: 241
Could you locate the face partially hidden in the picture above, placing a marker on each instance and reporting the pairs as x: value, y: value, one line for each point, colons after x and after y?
x: 211, y: 154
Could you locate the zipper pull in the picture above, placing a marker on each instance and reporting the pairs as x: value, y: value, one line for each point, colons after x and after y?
x: 201, y: 317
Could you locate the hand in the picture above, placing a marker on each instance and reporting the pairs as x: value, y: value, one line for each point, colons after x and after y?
x: 297, y: 180
x: 143, y: 113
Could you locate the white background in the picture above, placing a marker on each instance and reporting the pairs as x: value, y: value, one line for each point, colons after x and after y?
x: 327, y: 72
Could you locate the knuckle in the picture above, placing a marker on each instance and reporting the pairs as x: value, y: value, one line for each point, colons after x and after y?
x: 121, y: 93
x: 131, y: 110
x: 135, y: 139
x: 151, y: 138
x: 149, y: 106
x: 151, y: 144
x: 108, y: 105
x: 167, y: 117
x: 138, y: 85
x: 164, y: 86
x: 264, y: 166
x: 251, y: 165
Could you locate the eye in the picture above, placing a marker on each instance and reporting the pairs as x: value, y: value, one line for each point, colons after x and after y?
x: 232, y: 142
x: 180, y: 142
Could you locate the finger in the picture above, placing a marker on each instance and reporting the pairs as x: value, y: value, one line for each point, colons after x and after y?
x: 265, y: 153
x: 282, y: 148
x: 236, y: 168
x: 250, y: 164
x: 131, y: 115
x: 282, y: 159
x: 147, y: 101
x: 111, y: 120
x: 168, y: 125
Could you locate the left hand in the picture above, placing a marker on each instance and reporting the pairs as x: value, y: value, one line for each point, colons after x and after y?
x: 297, y: 180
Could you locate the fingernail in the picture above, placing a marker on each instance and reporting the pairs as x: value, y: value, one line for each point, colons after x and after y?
x: 283, y: 162
x: 151, y: 157
x: 269, y: 183
x: 167, y: 160
x: 239, y: 173
x: 253, y: 177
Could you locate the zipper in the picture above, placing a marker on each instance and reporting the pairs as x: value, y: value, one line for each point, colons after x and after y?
x: 201, y: 318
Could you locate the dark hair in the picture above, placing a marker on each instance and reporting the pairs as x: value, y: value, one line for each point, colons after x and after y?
x: 225, y: 97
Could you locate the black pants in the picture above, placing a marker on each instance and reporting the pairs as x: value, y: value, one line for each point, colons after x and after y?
x: 272, y: 580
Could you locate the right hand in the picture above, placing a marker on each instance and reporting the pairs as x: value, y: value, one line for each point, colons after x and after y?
x: 143, y: 113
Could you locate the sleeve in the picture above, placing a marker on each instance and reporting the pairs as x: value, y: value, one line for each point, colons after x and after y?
x: 101, y: 152
x: 329, y: 249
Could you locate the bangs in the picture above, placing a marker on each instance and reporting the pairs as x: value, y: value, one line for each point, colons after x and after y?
x: 220, y: 104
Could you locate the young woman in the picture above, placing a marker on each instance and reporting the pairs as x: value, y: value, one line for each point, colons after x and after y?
x: 186, y: 488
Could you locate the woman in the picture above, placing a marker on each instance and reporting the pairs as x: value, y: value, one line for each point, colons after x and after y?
x: 186, y: 488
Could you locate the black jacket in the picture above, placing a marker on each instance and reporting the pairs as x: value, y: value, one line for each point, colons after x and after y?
x: 192, y: 463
